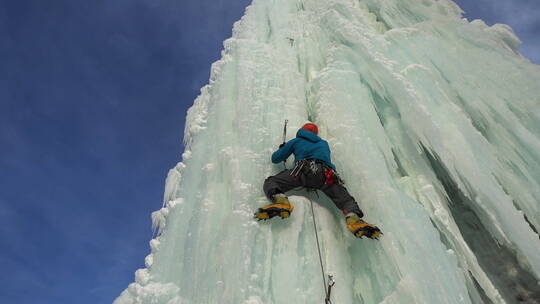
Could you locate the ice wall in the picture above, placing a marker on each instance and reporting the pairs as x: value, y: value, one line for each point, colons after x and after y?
x: 434, y: 123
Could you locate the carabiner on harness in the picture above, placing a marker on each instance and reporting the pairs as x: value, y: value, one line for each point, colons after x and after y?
x: 297, y: 169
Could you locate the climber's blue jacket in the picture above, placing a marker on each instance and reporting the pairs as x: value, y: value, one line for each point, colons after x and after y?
x: 306, y: 145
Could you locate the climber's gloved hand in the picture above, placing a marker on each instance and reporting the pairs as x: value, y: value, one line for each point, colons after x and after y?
x: 281, y: 146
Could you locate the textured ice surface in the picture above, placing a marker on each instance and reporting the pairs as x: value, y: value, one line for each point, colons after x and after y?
x: 434, y: 123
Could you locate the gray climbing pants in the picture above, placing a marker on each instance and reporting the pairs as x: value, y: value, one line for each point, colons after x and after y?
x: 287, y: 180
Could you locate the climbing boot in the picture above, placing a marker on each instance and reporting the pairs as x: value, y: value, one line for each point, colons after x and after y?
x: 360, y: 228
x: 281, y: 207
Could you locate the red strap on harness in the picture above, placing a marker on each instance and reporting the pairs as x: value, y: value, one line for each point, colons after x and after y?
x: 329, y: 174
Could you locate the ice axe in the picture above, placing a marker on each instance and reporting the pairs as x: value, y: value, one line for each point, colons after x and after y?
x: 285, y: 130
x: 284, y: 136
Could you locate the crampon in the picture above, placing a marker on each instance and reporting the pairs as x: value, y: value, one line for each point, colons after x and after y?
x: 272, y: 210
x: 360, y: 228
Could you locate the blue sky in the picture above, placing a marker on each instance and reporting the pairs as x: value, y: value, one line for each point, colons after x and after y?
x: 93, y: 96
x: 522, y: 15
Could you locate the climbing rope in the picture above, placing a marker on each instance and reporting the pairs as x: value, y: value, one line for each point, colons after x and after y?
x: 319, y: 249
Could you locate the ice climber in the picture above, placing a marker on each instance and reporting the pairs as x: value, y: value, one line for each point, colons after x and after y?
x: 314, y: 170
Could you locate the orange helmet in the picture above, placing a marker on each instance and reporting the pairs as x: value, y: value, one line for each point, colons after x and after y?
x: 311, y: 127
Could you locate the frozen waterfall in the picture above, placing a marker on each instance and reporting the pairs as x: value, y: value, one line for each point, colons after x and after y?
x: 433, y: 122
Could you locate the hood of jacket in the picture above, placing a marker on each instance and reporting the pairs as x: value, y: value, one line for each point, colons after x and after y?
x: 308, y: 135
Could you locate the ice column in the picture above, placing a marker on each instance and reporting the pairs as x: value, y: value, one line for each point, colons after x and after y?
x: 434, y: 123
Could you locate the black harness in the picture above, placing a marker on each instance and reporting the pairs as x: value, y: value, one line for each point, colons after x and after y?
x: 314, y: 166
